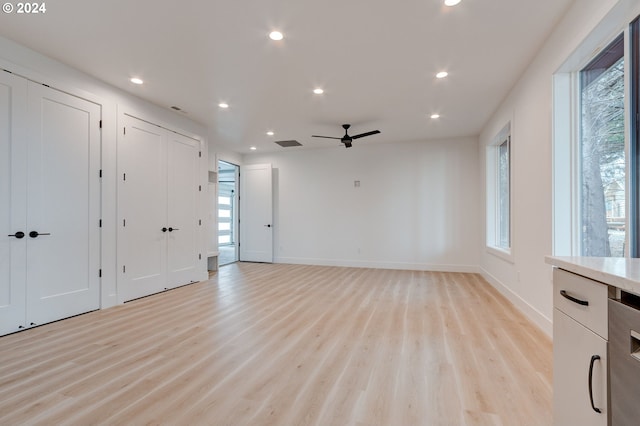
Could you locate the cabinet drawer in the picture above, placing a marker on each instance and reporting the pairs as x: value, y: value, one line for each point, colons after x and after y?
x: 582, y: 299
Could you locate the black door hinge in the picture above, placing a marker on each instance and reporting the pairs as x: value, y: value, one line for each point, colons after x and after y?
x: 100, y: 173
x: 200, y: 154
x: 100, y: 223
x: 124, y: 130
x: 124, y: 176
x: 124, y: 222
x: 101, y: 124
x: 200, y: 222
x: 124, y: 269
x: 200, y: 188
x: 199, y: 256
x: 100, y: 273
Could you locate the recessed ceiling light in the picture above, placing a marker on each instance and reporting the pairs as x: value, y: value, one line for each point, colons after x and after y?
x: 223, y: 105
x: 136, y: 80
x: 451, y: 2
x: 270, y: 133
x: 276, y: 35
x: 434, y: 116
x: 318, y: 91
x: 253, y: 148
x: 442, y: 74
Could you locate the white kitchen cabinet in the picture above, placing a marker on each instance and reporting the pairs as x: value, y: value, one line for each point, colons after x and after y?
x: 49, y: 204
x: 157, y: 209
x: 580, y: 363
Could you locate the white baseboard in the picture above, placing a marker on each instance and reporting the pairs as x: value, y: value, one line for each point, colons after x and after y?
x: 544, y: 323
x: 535, y: 316
x: 379, y: 265
x: 108, y: 301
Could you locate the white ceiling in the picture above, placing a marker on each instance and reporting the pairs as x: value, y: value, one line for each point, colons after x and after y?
x: 376, y: 61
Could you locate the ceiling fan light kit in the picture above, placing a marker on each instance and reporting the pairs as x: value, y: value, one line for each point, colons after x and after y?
x: 346, y: 139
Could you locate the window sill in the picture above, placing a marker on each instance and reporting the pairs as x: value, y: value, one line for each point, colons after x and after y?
x: 506, y: 255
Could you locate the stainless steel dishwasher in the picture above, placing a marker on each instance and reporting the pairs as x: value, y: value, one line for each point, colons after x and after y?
x: 624, y: 359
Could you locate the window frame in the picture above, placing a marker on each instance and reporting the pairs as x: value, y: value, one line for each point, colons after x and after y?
x: 599, y: 63
x: 565, y: 130
x: 493, y: 201
x: 633, y: 214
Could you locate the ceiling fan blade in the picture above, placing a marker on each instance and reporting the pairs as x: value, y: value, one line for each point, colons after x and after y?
x: 361, y: 135
x: 326, y: 137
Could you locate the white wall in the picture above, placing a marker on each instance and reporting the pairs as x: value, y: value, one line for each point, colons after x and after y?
x: 30, y: 64
x: 527, y: 280
x: 417, y: 206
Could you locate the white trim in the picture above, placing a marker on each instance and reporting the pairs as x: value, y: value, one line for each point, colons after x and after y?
x: 506, y: 255
x: 538, y: 318
x: 474, y: 269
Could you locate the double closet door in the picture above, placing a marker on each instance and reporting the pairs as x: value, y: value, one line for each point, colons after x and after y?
x: 49, y: 204
x: 157, y: 209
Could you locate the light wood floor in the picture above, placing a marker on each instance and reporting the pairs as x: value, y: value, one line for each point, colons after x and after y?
x: 265, y: 344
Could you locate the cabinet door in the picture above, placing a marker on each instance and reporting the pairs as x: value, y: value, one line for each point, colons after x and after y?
x: 63, y: 199
x: 182, y: 209
x: 13, y: 191
x: 574, y: 347
x: 142, y: 209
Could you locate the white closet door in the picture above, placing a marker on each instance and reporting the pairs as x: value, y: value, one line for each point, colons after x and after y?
x: 256, y: 226
x: 142, y: 206
x: 182, y: 208
x: 13, y: 178
x: 63, y: 199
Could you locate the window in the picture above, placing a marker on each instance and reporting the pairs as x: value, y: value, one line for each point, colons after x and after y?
x: 596, y: 148
x: 499, y: 193
x: 602, y: 154
x: 503, y: 236
x: 225, y: 214
x: 635, y: 138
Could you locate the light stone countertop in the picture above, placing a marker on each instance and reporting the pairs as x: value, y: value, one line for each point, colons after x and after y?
x: 620, y: 272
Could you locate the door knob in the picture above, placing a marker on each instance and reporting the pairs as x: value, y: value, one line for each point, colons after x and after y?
x: 268, y: 226
x: 173, y: 229
x: 34, y: 234
x: 164, y: 229
x: 18, y: 235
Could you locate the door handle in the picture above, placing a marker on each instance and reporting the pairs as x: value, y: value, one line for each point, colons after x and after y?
x: 18, y: 235
x: 564, y: 294
x: 593, y: 360
x: 35, y: 234
x: 268, y: 226
x: 173, y: 229
x: 164, y: 229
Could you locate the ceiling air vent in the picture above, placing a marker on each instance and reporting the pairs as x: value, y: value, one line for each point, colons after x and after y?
x: 287, y: 144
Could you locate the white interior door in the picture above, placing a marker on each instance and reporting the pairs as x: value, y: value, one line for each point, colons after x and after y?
x: 13, y: 178
x: 63, y: 199
x: 256, y: 213
x: 142, y: 209
x: 182, y: 220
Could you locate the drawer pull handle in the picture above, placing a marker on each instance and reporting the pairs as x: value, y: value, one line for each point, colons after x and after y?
x: 573, y: 299
x: 593, y: 360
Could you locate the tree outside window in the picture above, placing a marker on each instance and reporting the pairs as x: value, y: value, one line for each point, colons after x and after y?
x: 602, y: 154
